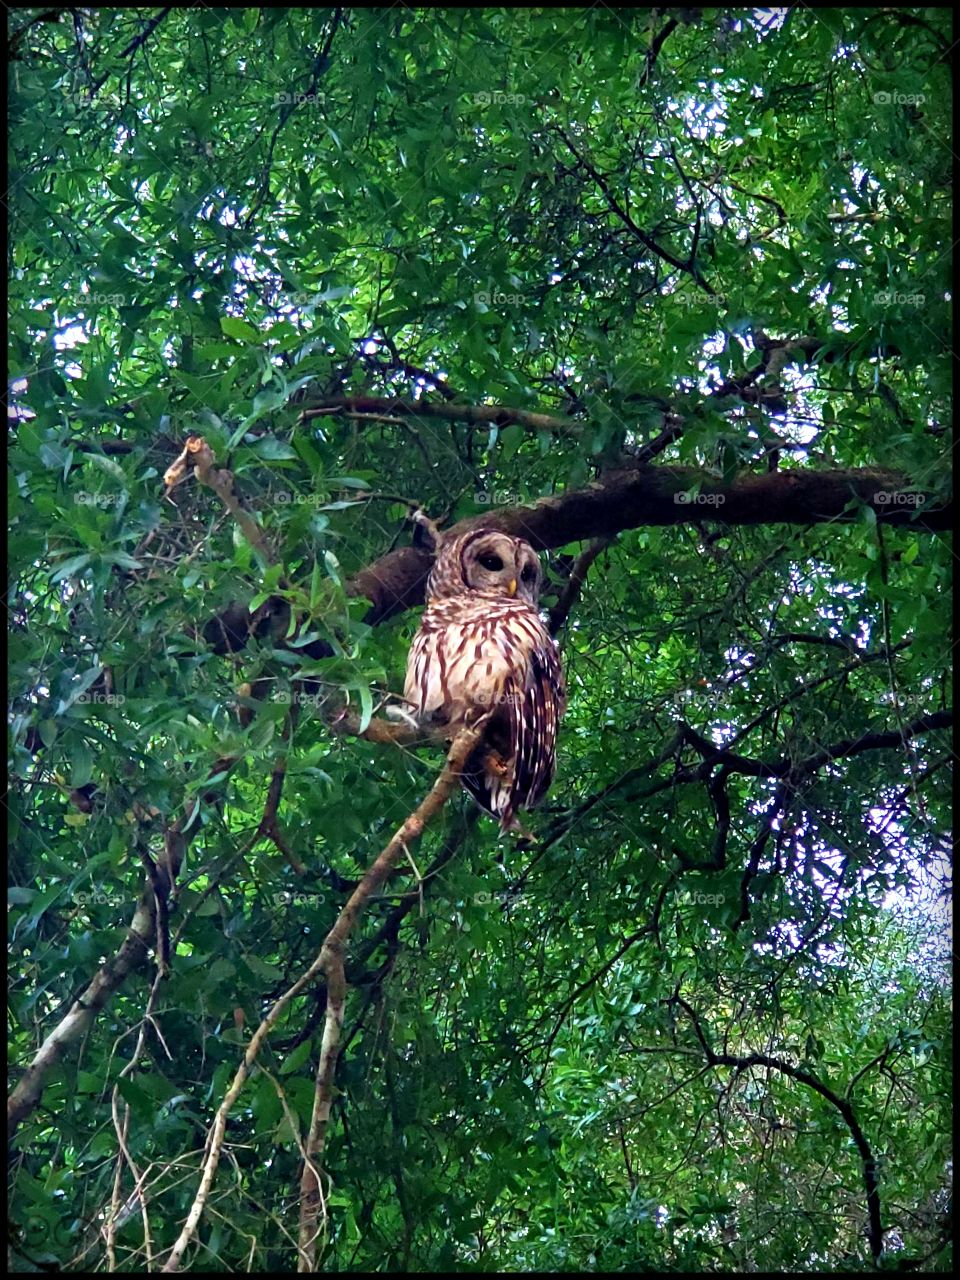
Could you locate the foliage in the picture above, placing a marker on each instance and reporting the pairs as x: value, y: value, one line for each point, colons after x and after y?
x: 223, y: 216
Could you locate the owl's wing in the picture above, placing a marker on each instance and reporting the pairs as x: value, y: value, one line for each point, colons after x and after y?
x: 534, y: 719
x: 531, y: 704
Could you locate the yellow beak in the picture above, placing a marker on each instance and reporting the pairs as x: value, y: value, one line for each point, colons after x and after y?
x: 512, y: 589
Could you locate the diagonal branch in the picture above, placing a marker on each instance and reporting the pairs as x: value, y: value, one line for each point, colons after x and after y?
x: 842, y: 1105
x: 136, y: 43
x: 688, y: 265
x: 329, y: 961
x: 110, y: 977
x: 574, y: 585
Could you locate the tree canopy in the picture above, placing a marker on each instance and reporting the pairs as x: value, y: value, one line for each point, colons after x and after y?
x: 664, y: 292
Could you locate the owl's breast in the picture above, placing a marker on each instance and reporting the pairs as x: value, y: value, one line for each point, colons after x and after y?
x: 467, y: 652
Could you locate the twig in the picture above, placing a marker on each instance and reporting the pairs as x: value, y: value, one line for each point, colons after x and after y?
x: 689, y: 265
x: 574, y: 584
x: 133, y: 46
x: 269, y: 824
x: 197, y: 452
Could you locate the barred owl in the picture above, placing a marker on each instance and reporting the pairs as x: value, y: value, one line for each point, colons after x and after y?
x: 482, y: 648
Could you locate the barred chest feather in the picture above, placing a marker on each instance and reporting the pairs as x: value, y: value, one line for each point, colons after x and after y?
x: 466, y: 651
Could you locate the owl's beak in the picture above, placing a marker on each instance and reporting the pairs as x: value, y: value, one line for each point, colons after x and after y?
x: 512, y: 589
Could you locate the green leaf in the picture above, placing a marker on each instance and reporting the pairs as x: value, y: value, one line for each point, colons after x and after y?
x: 69, y: 568
x: 234, y: 327
x: 296, y: 1059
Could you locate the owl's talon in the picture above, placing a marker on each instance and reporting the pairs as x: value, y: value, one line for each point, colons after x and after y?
x: 402, y: 715
x: 495, y: 763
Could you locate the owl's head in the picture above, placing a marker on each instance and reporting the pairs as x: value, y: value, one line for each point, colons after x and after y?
x: 489, y: 563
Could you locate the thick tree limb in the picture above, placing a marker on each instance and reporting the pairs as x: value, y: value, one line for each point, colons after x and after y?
x: 662, y: 495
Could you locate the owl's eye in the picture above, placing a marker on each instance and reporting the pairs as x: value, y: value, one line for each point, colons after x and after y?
x: 491, y: 562
x: 528, y: 573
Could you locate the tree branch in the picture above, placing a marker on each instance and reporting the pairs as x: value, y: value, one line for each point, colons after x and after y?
x: 109, y: 978
x: 664, y: 495
x: 478, y: 415
x: 574, y: 584
x: 688, y: 266
x: 329, y: 960
x: 136, y: 43
x: 846, y: 1111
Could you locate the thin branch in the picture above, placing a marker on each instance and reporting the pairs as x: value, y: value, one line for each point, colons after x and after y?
x: 656, y: 44
x: 269, y: 823
x: 478, y: 415
x: 136, y: 43
x: 844, y: 749
x: 688, y: 266
x: 574, y: 585
x: 842, y: 1105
